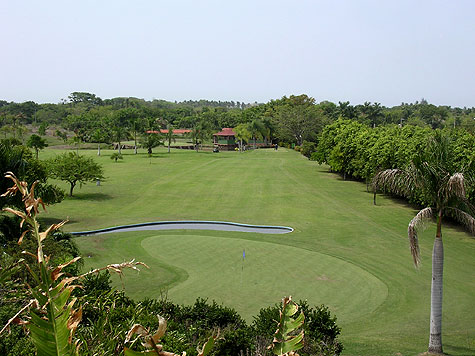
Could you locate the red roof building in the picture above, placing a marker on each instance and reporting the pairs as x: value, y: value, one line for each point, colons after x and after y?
x: 225, y: 139
x: 175, y: 131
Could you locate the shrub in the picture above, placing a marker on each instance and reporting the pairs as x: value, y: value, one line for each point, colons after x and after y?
x: 321, y: 330
x: 308, y: 148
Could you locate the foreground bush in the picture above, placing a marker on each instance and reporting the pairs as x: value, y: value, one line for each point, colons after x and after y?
x: 109, y: 314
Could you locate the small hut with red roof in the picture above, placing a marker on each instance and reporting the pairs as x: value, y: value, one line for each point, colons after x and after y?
x: 225, y: 139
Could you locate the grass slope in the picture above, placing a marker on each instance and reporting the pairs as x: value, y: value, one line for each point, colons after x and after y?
x: 344, y: 252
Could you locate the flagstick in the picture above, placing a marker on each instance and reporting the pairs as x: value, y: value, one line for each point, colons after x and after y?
x: 242, y: 265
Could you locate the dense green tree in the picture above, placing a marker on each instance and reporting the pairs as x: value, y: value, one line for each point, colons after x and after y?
x: 84, y: 97
x: 444, y: 189
x: 37, y: 143
x: 62, y: 135
x: 370, y: 114
x: 297, y: 119
x: 42, y: 129
x: 269, y: 129
x: 346, y: 110
x: 73, y: 168
x: 257, y: 130
x: 50, y: 113
x: 432, y: 115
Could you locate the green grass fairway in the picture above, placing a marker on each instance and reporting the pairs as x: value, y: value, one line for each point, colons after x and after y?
x: 345, y: 252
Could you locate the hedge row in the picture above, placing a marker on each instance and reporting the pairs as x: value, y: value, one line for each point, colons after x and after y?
x: 358, y: 151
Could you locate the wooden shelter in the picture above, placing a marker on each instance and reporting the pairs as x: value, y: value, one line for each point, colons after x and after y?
x: 225, y: 139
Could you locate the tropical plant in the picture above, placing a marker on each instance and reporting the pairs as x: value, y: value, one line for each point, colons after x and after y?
x: 151, y: 341
x: 115, y: 156
x: 242, y: 134
x: 150, y: 141
x: 198, y: 134
x: 170, y: 136
x: 52, y: 320
x: 433, y: 174
x: 119, y: 134
x: 285, y: 340
x: 19, y: 160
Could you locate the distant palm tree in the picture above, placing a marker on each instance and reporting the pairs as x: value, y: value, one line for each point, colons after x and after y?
x: 433, y: 175
x: 242, y: 134
x: 198, y: 134
x: 170, y: 136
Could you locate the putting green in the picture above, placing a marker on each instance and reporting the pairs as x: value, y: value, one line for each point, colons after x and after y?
x: 213, y: 267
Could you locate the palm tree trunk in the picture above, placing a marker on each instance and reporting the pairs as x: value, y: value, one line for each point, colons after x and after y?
x: 135, y: 142
x: 435, y: 341
x: 98, y: 149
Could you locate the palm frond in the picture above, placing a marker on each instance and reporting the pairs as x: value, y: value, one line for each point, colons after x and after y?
x: 456, y: 185
x: 395, y: 181
x: 417, y: 223
x: 467, y: 220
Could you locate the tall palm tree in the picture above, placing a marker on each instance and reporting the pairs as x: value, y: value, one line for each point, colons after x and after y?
x: 170, y: 136
x: 198, y: 134
x: 433, y: 175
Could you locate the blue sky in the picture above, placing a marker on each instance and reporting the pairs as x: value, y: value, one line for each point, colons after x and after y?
x: 379, y: 51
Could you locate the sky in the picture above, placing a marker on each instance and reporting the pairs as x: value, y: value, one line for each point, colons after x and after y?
x: 249, y: 51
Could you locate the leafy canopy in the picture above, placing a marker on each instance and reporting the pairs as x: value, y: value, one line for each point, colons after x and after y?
x: 74, y: 169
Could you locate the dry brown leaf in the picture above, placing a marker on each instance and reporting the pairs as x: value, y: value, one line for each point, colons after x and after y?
x: 57, y: 271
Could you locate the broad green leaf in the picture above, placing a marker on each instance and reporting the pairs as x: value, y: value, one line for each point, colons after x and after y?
x: 207, y: 347
x: 293, y: 344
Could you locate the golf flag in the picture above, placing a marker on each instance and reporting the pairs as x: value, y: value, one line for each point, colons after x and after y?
x: 243, y: 254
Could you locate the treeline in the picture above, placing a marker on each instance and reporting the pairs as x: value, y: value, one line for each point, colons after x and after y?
x: 294, y: 119
x: 358, y: 151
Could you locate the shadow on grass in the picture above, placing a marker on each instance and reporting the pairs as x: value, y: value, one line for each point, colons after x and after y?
x: 458, y: 350
x: 49, y: 221
x: 91, y: 196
